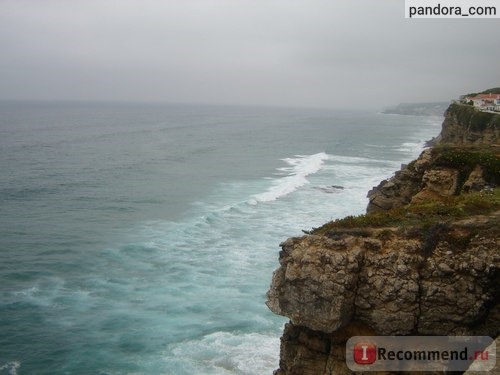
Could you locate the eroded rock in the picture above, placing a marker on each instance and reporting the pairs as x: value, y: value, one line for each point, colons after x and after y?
x: 327, y: 287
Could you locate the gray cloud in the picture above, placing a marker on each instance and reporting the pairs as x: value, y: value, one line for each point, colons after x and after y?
x: 275, y: 52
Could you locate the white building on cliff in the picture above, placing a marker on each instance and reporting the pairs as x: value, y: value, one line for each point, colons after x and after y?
x: 485, y: 102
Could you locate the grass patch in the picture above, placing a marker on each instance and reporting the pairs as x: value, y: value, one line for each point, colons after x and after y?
x: 466, y: 159
x: 425, y: 214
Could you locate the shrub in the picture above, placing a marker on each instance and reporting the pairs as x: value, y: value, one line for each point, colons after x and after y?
x: 472, y: 118
x: 420, y: 215
x: 466, y: 159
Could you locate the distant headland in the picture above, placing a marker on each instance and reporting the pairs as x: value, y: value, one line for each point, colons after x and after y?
x: 418, y: 109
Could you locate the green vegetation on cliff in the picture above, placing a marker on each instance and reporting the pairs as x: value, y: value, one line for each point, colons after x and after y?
x: 423, y: 214
x: 460, y: 205
x: 465, y: 159
x: 494, y: 90
x: 472, y: 118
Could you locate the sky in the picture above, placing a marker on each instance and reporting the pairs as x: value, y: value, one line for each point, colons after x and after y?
x: 298, y: 53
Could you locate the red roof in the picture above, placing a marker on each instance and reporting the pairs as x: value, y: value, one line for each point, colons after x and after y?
x: 486, y: 96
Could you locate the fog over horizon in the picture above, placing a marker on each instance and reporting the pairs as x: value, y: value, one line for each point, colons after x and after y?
x: 303, y: 53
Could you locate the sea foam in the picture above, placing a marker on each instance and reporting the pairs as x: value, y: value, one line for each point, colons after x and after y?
x: 10, y: 368
x: 299, y: 168
x: 229, y: 353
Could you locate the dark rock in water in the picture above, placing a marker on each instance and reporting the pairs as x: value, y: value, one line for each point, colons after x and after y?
x: 330, y: 189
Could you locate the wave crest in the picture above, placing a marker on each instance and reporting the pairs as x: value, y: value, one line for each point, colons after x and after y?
x: 297, y: 170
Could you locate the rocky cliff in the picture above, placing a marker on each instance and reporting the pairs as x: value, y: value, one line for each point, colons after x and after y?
x: 424, y: 260
x: 466, y: 148
x: 463, y: 125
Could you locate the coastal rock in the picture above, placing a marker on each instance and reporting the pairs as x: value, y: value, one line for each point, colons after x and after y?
x: 424, y: 161
x: 395, y: 192
x: 331, y: 289
x: 439, y: 277
x: 438, y: 183
x: 475, y: 181
x: 464, y: 125
x: 424, y: 179
x: 314, y: 272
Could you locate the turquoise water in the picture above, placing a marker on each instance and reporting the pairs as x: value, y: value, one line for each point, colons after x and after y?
x: 141, y: 238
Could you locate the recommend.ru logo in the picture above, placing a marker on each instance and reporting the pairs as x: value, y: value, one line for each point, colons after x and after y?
x: 365, y: 353
x: 420, y: 353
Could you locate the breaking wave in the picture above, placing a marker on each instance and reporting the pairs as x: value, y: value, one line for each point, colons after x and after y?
x: 296, y: 172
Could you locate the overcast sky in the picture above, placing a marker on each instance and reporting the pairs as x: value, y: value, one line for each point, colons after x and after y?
x: 320, y: 53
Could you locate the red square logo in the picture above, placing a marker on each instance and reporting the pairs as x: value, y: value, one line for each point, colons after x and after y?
x: 365, y: 353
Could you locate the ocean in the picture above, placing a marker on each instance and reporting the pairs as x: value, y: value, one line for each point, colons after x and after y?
x: 141, y: 238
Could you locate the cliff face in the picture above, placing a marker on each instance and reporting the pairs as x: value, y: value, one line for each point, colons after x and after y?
x: 463, y: 125
x: 443, y: 281
x: 424, y: 260
x: 469, y: 139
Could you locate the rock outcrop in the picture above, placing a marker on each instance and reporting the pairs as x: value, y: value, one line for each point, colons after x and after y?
x: 463, y: 125
x: 424, y: 260
x: 443, y: 281
x: 467, y: 136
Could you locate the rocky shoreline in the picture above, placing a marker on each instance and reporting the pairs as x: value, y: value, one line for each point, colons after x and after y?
x: 424, y: 260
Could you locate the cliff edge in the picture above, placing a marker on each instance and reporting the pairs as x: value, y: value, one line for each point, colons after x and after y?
x: 424, y: 260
